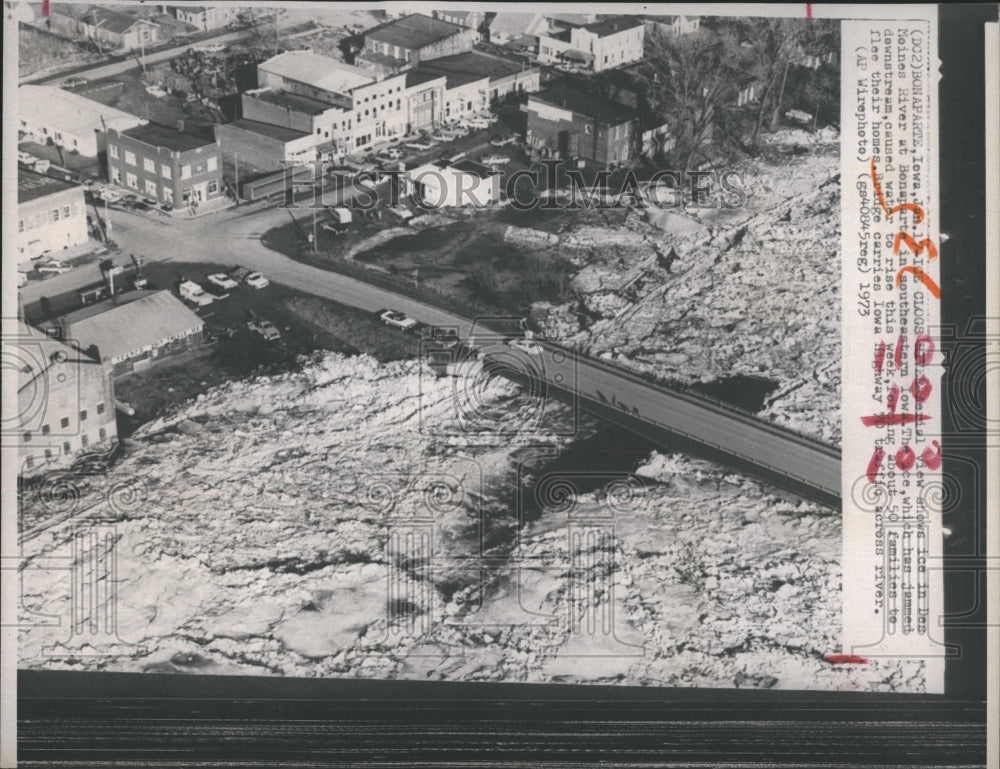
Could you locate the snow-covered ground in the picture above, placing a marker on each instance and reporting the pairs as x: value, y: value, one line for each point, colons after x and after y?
x: 333, y: 521
x: 709, y: 293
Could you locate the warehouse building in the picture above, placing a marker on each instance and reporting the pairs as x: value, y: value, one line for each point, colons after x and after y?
x: 135, y: 331
x: 50, y: 115
x: 415, y: 38
x: 51, y: 215
x: 450, y: 184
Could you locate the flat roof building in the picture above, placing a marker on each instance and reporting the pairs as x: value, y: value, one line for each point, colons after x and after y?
x: 572, y: 124
x: 51, y: 215
x: 175, y: 168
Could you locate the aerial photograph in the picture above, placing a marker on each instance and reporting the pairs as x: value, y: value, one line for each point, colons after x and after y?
x: 431, y: 346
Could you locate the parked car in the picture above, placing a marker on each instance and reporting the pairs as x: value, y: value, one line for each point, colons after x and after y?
x: 73, y: 82
x: 419, y: 146
x: 445, y: 337
x: 452, y: 155
x: 398, y: 320
x: 494, y: 160
x: 503, y: 141
x: 194, y: 293
x: 217, y: 291
x: 392, y: 153
x: 265, y: 328
x: 525, y: 345
x: 222, y: 280
x: 257, y: 280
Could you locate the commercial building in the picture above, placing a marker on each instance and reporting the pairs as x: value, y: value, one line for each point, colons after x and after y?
x: 573, y: 124
x: 372, y: 109
x: 175, y: 168
x: 66, y: 400
x: 320, y: 119
x: 136, y: 331
x: 50, y: 115
x: 261, y: 146
x: 504, y: 76
x: 597, y: 46
x: 51, y: 215
x: 424, y: 99
x: 207, y: 17
x: 462, y: 183
x: 416, y: 38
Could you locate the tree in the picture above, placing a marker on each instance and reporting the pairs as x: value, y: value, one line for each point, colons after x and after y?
x: 690, y: 80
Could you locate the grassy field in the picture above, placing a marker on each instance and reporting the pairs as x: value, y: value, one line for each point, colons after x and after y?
x: 39, y: 51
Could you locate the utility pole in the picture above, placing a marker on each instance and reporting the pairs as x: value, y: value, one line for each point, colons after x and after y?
x: 236, y: 159
x: 315, y: 243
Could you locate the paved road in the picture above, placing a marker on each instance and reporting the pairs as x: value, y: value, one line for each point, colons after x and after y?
x: 234, y: 238
x: 102, y: 71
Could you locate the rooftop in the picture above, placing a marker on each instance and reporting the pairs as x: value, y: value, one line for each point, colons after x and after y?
x: 614, y: 25
x: 318, y: 71
x: 156, y: 135
x: 517, y: 23
x: 414, y: 31
x: 110, y: 19
x: 128, y: 328
x: 421, y: 75
x: 293, y: 101
x: 67, y: 111
x: 266, y: 129
x: 472, y: 167
x: 31, y: 185
x: 473, y: 63
x: 596, y: 107
x: 45, y: 351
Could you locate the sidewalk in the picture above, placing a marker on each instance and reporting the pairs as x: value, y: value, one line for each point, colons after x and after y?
x: 205, y: 208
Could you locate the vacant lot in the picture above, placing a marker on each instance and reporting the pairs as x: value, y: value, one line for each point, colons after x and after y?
x: 39, y: 51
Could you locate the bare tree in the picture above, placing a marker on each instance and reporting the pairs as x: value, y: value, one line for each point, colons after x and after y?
x: 691, y: 79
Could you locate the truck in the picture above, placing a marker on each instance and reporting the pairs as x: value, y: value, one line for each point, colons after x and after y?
x: 194, y: 293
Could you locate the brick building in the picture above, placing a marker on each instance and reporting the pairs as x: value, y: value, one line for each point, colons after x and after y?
x: 572, y: 124
x: 258, y: 146
x: 173, y: 167
x: 66, y: 400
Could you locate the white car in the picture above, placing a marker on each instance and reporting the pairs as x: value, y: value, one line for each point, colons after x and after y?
x: 109, y: 195
x: 502, y: 142
x: 222, y: 280
x: 494, y: 160
x: 398, y: 320
x: 392, y: 153
x: 256, y: 280
x: 526, y: 346
x: 52, y: 266
x: 194, y: 293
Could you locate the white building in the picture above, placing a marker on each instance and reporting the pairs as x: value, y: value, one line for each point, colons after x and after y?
x: 54, y: 115
x: 51, y: 215
x: 371, y: 109
x: 462, y: 183
x: 675, y: 24
x: 597, y: 46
